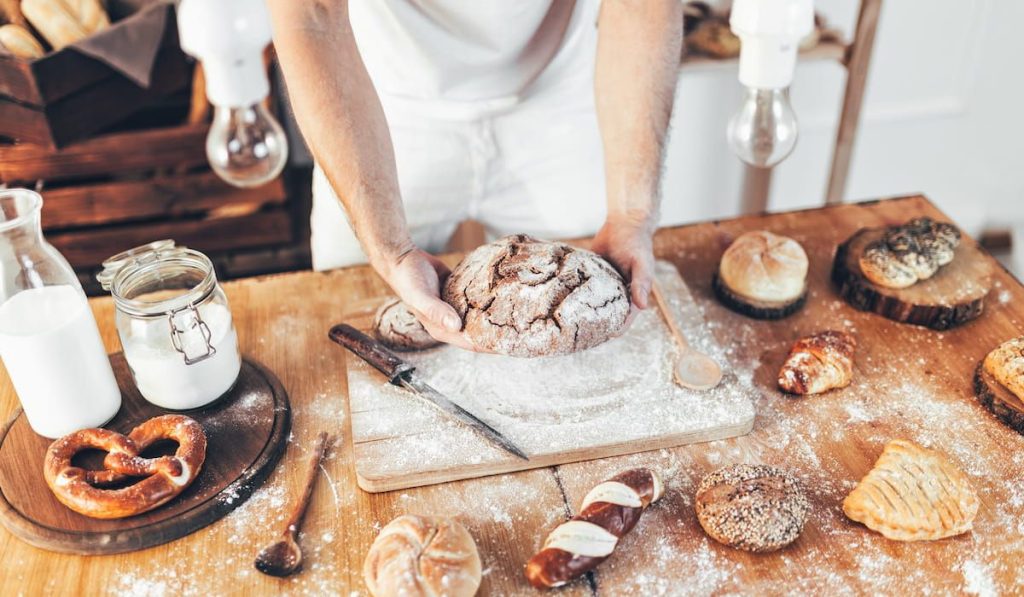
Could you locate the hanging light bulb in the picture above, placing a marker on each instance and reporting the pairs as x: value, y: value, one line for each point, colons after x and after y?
x: 764, y: 129
x: 246, y: 146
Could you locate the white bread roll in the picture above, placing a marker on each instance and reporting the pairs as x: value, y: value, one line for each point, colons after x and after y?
x: 766, y: 267
x: 419, y: 556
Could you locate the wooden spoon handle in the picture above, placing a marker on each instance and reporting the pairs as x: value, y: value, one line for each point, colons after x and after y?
x: 666, y: 313
x: 319, y: 449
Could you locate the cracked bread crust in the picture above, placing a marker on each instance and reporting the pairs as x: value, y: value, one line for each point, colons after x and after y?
x: 524, y: 297
x: 397, y: 327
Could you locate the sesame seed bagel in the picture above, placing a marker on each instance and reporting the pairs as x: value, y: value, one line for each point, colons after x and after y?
x: 752, y: 507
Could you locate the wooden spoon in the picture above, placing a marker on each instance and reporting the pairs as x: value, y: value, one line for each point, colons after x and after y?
x: 285, y: 557
x: 694, y: 369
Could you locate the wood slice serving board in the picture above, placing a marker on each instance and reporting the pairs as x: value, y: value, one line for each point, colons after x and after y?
x: 246, y: 433
x: 617, y: 398
x: 953, y: 296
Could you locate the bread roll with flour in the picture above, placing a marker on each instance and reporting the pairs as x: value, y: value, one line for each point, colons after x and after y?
x: 418, y: 556
x: 395, y: 325
x: 763, y: 275
x: 524, y: 297
x: 609, y: 511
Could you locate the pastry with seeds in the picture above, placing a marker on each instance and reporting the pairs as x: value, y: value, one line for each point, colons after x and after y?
x: 909, y: 253
x: 762, y: 275
x: 999, y: 382
x: 913, y: 494
x: 756, y: 508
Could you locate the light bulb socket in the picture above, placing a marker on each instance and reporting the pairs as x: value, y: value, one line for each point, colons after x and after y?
x: 236, y: 84
x: 767, y: 62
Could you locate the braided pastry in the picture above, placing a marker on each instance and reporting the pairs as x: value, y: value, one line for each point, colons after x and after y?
x: 608, y: 512
x: 165, y: 477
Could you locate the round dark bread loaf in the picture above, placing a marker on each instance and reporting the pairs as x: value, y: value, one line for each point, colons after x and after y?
x: 525, y: 297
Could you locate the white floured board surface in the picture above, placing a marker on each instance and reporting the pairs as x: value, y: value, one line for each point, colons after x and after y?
x: 617, y: 398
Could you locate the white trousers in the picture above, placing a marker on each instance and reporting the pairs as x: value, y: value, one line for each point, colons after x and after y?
x: 535, y: 168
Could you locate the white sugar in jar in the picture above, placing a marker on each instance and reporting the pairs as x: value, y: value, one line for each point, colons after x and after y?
x: 174, y: 323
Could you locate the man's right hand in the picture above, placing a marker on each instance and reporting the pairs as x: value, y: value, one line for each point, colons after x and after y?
x: 416, y: 277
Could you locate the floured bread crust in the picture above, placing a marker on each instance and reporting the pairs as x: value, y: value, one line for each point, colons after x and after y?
x: 1006, y: 365
x: 397, y: 327
x: 417, y: 556
x: 909, y: 253
x: 913, y: 494
x: 763, y: 266
x: 525, y: 297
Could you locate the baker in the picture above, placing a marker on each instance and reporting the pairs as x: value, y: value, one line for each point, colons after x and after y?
x: 545, y: 117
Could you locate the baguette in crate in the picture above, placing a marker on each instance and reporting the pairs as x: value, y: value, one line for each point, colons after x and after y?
x: 71, y: 68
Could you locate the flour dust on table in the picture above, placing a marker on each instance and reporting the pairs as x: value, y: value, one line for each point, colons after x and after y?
x: 619, y: 393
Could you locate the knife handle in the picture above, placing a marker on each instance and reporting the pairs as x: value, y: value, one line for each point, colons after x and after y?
x: 373, y: 352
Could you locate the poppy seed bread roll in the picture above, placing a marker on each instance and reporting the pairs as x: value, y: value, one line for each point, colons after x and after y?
x: 524, y: 297
x: 754, y: 507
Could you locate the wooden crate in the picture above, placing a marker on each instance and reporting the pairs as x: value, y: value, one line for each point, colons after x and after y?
x: 67, y: 96
x: 123, y: 189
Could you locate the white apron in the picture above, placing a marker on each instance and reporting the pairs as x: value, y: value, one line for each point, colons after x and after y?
x: 490, y: 105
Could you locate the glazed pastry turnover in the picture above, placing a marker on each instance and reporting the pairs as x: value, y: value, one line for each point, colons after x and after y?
x: 913, y: 494
x: 909, y: 253
x: 1006, y: 365
x: 818, y: 363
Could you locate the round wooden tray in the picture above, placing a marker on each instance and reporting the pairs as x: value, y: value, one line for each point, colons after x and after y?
x: 953, y: 296
x: 246, y: 433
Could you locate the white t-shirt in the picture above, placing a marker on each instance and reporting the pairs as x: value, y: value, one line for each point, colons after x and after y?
x: 478, y: 55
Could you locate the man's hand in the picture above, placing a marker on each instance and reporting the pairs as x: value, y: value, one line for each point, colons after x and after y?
x: 628, y: 246
x: 416, y: 277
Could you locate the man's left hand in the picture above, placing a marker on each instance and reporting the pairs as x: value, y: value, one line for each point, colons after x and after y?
x: 628, y: 246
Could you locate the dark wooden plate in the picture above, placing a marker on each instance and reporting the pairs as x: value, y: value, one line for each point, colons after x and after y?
x: 246, y: 434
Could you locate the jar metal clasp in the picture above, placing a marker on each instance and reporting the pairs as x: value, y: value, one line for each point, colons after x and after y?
x: 178, y: 334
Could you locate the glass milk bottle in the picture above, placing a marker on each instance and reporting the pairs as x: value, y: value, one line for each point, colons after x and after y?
x: 174, y: 323
x: 49, y: 341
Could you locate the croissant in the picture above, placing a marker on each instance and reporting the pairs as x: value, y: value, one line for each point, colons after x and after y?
x: 818, y: 363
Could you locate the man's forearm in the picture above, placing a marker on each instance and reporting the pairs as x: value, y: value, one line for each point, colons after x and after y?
x: 639, y: 45
x: 341, y: 118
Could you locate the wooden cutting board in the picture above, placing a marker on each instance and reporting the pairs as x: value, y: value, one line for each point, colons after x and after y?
x: 617, y: 398
x: 246, y: 433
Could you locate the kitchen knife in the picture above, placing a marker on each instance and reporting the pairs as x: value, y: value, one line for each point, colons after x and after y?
x: 403, y: 374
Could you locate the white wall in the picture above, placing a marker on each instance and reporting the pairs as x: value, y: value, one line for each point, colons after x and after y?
x: 944, y: 114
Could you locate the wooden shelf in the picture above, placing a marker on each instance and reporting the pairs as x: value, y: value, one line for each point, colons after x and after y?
x: 828, y: 49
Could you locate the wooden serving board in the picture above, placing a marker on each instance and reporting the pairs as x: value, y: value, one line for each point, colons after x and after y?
x: 617, y: 398
x: 246, y: 433
x: 953, y: 296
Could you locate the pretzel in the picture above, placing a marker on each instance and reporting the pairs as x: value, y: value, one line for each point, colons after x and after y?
x: 608, y: 512
x: 84, y: 491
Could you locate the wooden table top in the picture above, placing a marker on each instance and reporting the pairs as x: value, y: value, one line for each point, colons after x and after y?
x: 910, y: 383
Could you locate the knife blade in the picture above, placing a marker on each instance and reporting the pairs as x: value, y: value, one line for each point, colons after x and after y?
x: 402, y: 373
